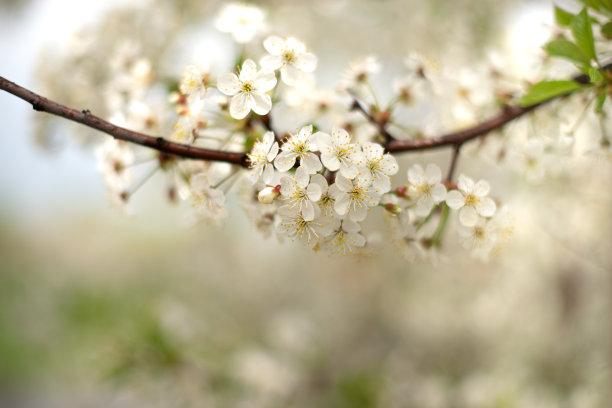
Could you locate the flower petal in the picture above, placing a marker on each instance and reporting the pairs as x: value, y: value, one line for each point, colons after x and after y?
x: 228, y: 84
x: 284, y: 161
x: 274, y: 44
x: 482, y: 188
x: 306, y: 62
x: 265, y: 81
x: 311, y: 162
x: 486, y: 207
x: 468, y: 216
x: 455, y: 200
x: 248, y: 71
x: 433, y: 174
x: 262, y: 103
x: 240, y: 105
x: 291, y: 75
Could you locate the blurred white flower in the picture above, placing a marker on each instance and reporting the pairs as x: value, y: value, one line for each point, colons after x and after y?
x: 290, y: 56
x: 425, y: 188
x: 194, y: 81
x: 243, y: 21
x: 344, y: 239
x: 209, y: 201
x: 471, y: 200
x: 294, y: 226
x: 359, y: 71
x: 248, y: 90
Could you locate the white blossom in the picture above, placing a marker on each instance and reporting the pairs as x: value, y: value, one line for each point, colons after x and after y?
x: 248, y: 90
x: 471, y: 200
x: 114, y: 158
x: 360, y: 70
x: 338, y: 153
x: 294, y: 226
x: 193, y: 81
x: 209, y: 201
x: 377, y: 168
x: 243, y: 21
x: 344, y: 238
x: 354, y: 197
x: 299, y: 146
x: 260, y: 159
x: 268, y: 195
x: 290, y: 56
x: 300, y: 194
x: 425, y: 189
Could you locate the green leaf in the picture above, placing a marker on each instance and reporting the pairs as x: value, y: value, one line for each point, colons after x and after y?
x: 601, y: 99
x: 562, y: 17
x: 595, y: 75
x: 568, y: 50
x: 545, y: 90
x: 606, y: 30
x: 583, y: 33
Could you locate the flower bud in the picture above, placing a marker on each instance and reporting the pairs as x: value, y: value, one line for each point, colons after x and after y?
x: 268, y: 195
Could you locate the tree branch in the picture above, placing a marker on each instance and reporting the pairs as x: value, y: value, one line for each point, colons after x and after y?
x: 455, y: 139
x: 84, y: 117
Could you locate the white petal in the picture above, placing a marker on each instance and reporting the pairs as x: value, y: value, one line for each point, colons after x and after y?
x: 268, y: 139
x: 268, y: 173
x: 274, y: 45
x: 228, y: 84
x: 248, y: 71
x: 465, y: 184
x: 373, y: 151
x: 358, y: 213
x: 364, y: 177
x: 358, y: 239
x: 388, y: 165
x: 423, y: 208
x: 481, y: 188
x: 330, y: 161
x: 295, y: 45
x: 350, y: 226
x: 313, y: 191
x: 468, y: 216
x: 348, y: 170
x: 433, y: 174
x: 455, y: 200
x: 438, y: 192
x: 265, y: 81
x: 291, y: 75
x: 271, y: 62
x: 381, y: 184
x: 322, y: 141
x: 486, y: 207
x: 261, y: 103
x: 343, y: 183
x: 308, y: 211
x: 320, y: 181
x: 284, y: 161
x: 305, y: 132
x: 312, y: 163
x: 301, y: 177
x: 240, y: 105
x: 416, y: 175
x: 341, y: 136
x: 273, y: 151
x: 306, y: 62
x: 342, y: 204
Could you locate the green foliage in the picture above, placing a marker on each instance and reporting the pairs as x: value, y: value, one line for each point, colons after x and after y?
x: 545, y: 90
x: 563, y: 48
x: 582, y: 32
x: 563, y: 18
x: 606, y: 30
x: 360, y: 390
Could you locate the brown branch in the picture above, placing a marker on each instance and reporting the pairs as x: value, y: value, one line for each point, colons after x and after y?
x: 507, y: 114
x: 456, y: 139
x: 84, y: 117
x: 380, y: 123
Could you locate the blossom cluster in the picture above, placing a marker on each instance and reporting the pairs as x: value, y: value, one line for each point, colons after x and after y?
x: 319, y: 183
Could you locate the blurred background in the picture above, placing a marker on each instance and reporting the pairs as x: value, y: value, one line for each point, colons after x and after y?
x: 103, y: 309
